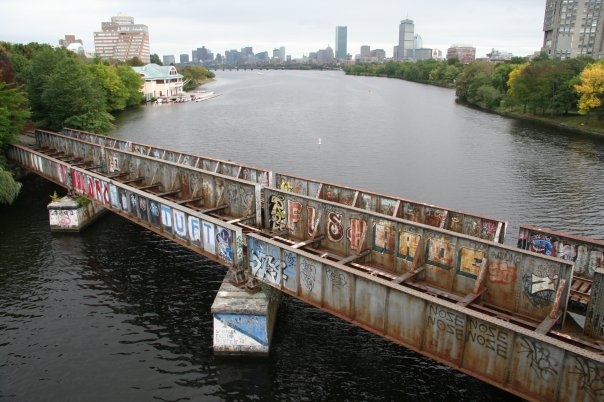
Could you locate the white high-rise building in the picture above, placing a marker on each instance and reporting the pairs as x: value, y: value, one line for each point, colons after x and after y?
x: 122, y: 39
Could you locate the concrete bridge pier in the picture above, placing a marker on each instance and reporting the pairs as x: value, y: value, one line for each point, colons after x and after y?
x: 71, y: 214
x: 244, y: 319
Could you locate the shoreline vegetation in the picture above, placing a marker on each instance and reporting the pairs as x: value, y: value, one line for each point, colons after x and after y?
x: 51, y: 88
x: 575, y: 123
x: 567, y: 94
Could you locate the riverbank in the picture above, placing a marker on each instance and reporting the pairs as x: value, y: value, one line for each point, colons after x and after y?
x: 577, y: 123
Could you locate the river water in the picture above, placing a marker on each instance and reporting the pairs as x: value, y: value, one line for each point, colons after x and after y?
x: 118, y: 313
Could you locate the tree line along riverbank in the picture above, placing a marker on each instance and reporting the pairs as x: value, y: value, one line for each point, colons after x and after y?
x: 565, y: 93
x: 50, y: 88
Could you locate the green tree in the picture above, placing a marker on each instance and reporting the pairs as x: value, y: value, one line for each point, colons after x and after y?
x: 155, y: 59
x: 501, y: 76
x: 63, y: 91
x: 133, y: 83
x: 135, y: 62
x: 116, y: 92
x: 543, y: 86
x: 470, y: 83
x: 194, y: 76
x: 14, y: 115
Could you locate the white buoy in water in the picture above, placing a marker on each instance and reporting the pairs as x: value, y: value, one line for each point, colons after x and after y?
x: 319, y: 140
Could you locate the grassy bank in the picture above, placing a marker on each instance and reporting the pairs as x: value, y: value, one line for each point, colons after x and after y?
x: 574, y: 122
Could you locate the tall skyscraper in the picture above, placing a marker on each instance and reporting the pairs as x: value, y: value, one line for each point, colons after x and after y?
x: 341, y: 42
x: 122, y: 39
x: 573, y: 28
x: 406, y: 40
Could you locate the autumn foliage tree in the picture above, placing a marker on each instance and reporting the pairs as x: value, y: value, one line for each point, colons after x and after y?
x: 591, y: 88
x: 14, y: 114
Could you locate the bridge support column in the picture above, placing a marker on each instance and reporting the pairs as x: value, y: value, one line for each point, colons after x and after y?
x: 243, y: 321
x: 594, y: 323
x: 68, y: 215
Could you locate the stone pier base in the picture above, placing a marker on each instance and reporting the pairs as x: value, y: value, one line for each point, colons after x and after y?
x: 67, y: 215
x: 243, y: 321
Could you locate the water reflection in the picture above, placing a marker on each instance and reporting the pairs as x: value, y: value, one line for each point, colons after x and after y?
x: 118, y: 313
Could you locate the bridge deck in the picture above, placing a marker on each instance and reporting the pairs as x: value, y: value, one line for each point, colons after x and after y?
x: 453, y: 293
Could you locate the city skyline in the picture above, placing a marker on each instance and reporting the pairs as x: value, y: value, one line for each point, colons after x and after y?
x: 301, y: 27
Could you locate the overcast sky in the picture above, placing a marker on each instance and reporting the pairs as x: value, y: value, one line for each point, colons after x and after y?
x: 177, y: 27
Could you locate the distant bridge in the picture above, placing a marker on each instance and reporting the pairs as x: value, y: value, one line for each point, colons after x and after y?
x: 435, y: 280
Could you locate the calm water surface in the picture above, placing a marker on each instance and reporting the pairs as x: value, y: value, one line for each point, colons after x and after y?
x: 118, y: 313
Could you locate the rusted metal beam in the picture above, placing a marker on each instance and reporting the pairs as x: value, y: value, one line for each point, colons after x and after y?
x: 242, y: 219
x: 407, y: 275
x: 133, y: 180
x: 149, y: 186
x: 500, y: 340
x: 479, y: 285
x: 373, y: 271
x: 354, y: 257
x: 215, y: 209
x: 312, y: 240
x: 117, y: 175
x: 165, y: 193
x: 548, y: 323
x: 194, y: 199
x: 470, y: 298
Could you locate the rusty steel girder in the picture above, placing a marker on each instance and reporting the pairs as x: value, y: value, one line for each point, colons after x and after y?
x: 495, y: 312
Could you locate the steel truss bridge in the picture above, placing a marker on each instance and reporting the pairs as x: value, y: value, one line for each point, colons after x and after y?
x: 435, y: 280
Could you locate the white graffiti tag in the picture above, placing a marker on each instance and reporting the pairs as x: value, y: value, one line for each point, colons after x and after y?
x: 265, y: 266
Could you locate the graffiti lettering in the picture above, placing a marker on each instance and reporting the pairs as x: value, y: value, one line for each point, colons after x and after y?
x: 166, y: 217
x: 470, y: 261
x: 446, y: 321
x: 489, y: 337
x: 208, y: 236
x: 312, y: 220
x: 223, y: 241
x: 63, y: 218
x: 591, y: 378
x: 408, y: 243
x: 356, y: 233
x: 337, y: 279
x: 289, y: 262
x: 489, y: 229
x: 265, y: 266
x: 440, y: 252
x: 384, y: 237
x: 309, y: 272
x: 180, y: 225
x: 540, y: 360
x: 194, y: 229
x: 285, y: 185
x: 500, y: 271
x: 277, y: 208
x: 294, y: 212
x: 540, y: 289
x: 335, y: 230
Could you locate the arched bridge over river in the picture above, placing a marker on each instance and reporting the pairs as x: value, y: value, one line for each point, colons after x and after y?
x: 435, y: 280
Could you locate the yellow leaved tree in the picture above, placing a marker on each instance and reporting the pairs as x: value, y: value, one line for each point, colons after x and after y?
x: 591, y: 88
